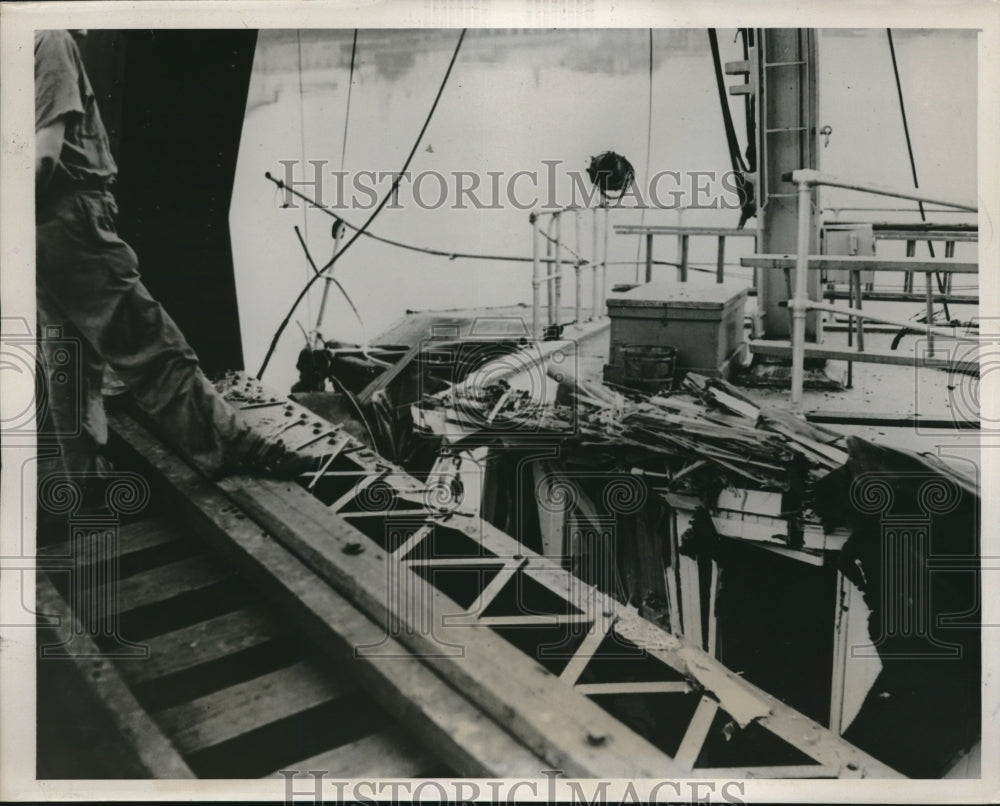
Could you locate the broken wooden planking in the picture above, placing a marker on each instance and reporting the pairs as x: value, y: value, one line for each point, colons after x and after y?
x: 783, y: 721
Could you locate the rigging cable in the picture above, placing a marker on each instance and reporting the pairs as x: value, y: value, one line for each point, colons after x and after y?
x: 302, y: 145
x: 744, y: 186
x: 727, y: 116
x: 649, y: 141
x: 750, y: 106
x: 424, y: 249
x: 347, y: 112
x: 913, y: 163
x: 375, y: 212
x: 343, y: 159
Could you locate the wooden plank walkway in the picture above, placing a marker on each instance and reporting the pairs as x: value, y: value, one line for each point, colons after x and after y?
x: 207, y: 691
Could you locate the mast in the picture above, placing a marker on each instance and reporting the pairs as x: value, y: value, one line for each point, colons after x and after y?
x: 785, y: 65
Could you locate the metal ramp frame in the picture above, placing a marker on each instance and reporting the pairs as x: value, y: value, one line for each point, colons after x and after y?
x: 374, y: 533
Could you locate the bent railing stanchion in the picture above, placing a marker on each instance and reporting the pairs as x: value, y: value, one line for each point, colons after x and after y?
x: 805, y: 180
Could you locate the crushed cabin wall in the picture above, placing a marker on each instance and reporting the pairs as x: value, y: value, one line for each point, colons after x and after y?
x: 908, y: 511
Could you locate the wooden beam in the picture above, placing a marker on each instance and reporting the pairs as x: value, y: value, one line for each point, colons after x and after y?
x: 535, y: 620
x: 585, y: 652
x: 551, y: 509
x: 696, y: 733
x: 230, y: 712
x: 389, y: 753
x: 363, y: 484
x: 777, y: 771
x: 924, y: 235
x: 457, y: 562
x: 379, y: 383
x: 674, y: 229
x: 893, y: 296
x: 493, y: 587
x: 155, y: 755
x: 132, y: 538
x: 648, y: 687
x: 199, y: 643
x: 713, y: 593
x: 862, y: 263
x: 167, y: 581
x: 891, y: 419
x: 448, y: 724
x: 412, y: 541
x: 690, y: 595
x: 783, y: 349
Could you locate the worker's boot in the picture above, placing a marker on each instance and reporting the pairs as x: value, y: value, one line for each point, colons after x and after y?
x: 253, y: 453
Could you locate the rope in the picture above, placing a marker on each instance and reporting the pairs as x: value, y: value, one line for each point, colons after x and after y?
x: 913, y: 162
x: 375, y: 212
x: 750, y: 106
x: 649, y: 142
x: 302, y: 144
x: 423, y: 249
x: 347, y: 112
x: 332, y: 279
x: 727, y: 115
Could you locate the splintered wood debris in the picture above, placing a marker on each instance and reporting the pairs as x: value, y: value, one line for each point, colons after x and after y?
x: 705, y: 444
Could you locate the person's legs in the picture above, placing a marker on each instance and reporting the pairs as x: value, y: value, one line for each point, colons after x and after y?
x: 90, y: 276
x: 74, y: 403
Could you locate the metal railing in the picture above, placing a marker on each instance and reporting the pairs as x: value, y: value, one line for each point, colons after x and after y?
x: 684, y: 235
x: 805, y: 180
x: 550, y: 278
x: 929, y: 233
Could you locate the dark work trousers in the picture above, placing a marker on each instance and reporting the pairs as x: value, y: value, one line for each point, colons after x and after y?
x: 88, y: 286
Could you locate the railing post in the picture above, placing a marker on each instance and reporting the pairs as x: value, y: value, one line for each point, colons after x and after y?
x: 930, y: 314
x: 559, y: 268
x: 649, y: 257
x: 593, y: 270
x: 536, y: 281
x: 911, y: 250
x: 798, y: 301
x: 604, y: 263
x: 577, y: 307
x: 549, y: 279
x: 949, y: 251
x: 683, y: 268
x: 720, y: 261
